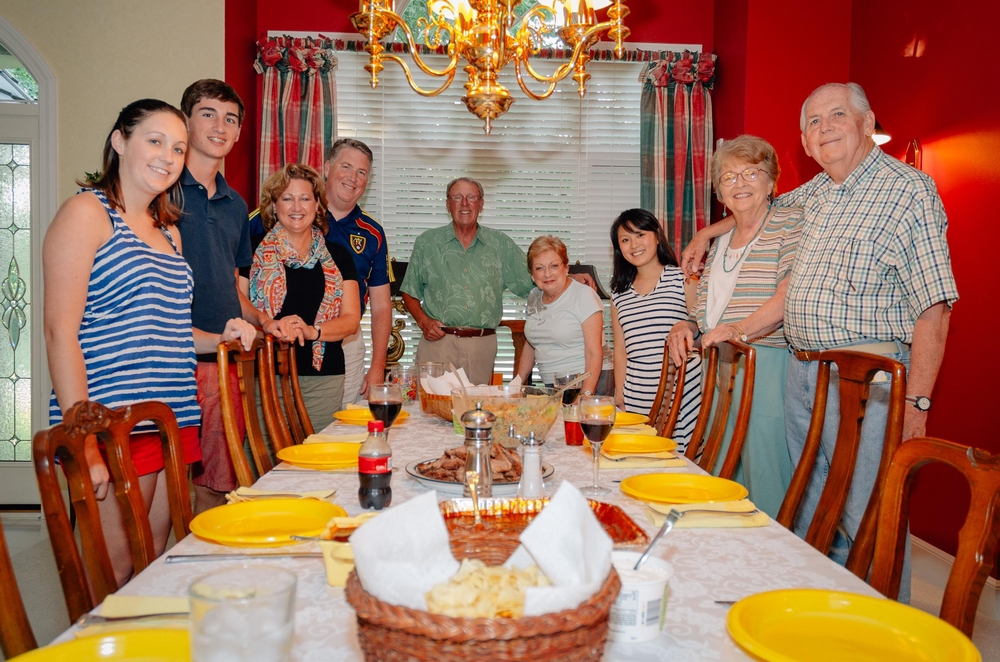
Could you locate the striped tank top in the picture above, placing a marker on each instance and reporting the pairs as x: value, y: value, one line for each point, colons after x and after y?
x: 646, y: 319
x: 136, y: 332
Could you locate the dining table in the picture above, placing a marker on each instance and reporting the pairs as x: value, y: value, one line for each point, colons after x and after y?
x: 711, y: 566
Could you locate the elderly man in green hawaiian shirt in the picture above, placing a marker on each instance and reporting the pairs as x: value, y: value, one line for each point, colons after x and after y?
x: 455, y: 281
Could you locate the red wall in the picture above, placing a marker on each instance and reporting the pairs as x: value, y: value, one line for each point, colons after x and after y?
x: 770, y: 59
x: 948, y: 99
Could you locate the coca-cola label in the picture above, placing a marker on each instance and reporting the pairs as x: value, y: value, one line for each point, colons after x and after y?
x: 374, y: 465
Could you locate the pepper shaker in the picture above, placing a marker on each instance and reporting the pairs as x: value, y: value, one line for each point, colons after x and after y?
x: 478, y: 425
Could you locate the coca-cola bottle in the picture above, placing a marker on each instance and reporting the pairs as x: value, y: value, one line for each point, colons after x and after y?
x: 375, y: 468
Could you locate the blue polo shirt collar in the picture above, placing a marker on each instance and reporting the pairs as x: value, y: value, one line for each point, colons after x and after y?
x: 221, y: 187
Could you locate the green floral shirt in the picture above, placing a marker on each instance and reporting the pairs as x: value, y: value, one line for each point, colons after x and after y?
x: 464, y: 287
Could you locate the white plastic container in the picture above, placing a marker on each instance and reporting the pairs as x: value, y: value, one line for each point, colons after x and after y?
x: 637, y: 614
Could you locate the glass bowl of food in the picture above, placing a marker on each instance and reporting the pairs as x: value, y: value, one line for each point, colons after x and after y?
x: 527, y: 408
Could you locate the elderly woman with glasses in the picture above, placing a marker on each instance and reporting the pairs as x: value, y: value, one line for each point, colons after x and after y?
x: 741, y: 296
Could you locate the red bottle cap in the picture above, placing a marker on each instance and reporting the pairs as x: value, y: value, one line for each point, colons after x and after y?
x: 376, y: 426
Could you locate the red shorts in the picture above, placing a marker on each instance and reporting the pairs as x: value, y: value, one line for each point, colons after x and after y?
x: 147, y: 450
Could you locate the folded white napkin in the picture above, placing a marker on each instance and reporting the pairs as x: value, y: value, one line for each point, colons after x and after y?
x: 515, y: 384
x: 570, y: 546
x: 404, y: 552
x: 446, y: 383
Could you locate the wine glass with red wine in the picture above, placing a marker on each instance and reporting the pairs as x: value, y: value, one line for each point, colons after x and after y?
x: 385, y: 402
x: 597, y: 416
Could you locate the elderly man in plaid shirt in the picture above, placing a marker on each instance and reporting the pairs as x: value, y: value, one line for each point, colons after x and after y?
x: 872, y: 274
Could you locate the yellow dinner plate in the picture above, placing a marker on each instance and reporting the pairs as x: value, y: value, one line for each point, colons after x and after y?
x: 826, y: 626
x: 321, y: 456
x: 623, y: 418
x: 362, y: 416
x: 264, y: 523
x: 623, y: 444
x: 134, y: 645
x: 682, y: 488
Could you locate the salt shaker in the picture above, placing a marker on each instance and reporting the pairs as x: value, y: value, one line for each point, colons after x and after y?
x: 531, y: 485
x: 478, y: 425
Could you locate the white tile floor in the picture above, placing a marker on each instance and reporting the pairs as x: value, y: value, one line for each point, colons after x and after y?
x: 39, y: 582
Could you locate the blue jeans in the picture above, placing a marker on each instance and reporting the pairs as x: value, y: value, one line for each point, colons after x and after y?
x: 800, y: 391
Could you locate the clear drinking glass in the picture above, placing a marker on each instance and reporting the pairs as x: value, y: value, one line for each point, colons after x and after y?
x: 245, y: 613
x: 385, y: 401
x: 406, y: 378
x: 597, y: 416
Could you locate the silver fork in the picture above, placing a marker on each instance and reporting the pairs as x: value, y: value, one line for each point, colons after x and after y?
x: 672, y: 518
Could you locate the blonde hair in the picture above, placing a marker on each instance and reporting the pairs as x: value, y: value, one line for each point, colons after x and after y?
x: 547, y: 243
x: 279, y: 181
x: 751, y: 149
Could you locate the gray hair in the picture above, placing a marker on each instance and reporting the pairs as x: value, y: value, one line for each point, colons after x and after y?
x: 470, y: 180
x: 859, y: 100
x: 336, y: 148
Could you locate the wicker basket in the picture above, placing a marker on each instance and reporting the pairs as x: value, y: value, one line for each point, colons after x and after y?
x: 438, y: 405
x: 393, y: 633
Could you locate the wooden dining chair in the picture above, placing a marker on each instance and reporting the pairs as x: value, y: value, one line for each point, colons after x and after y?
x: 667, y: 403
x: 856, y: 370
x: 977, y: 539
x: 16, y: 636
x: 250, y: 364
x: 280, y: 355
x: 722, y: 364
x: 86, y: 572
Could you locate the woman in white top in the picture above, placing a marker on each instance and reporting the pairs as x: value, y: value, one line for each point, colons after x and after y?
x: 564, y: 321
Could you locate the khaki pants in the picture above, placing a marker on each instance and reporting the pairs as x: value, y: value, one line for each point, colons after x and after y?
x: 475, y: 355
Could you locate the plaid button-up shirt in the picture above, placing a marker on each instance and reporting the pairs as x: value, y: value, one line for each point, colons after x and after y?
x: 873, y: 256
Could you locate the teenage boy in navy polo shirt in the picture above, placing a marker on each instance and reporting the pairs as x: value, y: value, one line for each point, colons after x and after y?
x: 216, y: 243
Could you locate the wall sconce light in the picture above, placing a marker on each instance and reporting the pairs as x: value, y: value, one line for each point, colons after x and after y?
x: 914, y: 155
x: 880, y: 136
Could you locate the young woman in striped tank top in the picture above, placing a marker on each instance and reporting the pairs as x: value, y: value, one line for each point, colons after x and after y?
x: 118, y: 306
x: 647, y: 296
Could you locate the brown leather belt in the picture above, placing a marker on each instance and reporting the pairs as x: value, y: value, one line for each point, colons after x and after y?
x: 870, y: 348
x: 467, y: 332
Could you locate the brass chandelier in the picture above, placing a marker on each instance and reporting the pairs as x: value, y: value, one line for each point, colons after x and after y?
x: 488, y: 36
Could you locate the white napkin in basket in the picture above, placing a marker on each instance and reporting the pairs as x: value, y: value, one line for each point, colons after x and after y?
x: 570, y: 546
x: 444, y: 384
x: 404, y: 552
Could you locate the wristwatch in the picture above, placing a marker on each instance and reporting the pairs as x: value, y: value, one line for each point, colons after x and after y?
x: 920, y: 402
x: 319, y: 331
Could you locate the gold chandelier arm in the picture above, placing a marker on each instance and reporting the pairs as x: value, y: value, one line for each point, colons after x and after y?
x: 551, y: 80
x: 415, y: 53
x: 450, y: 73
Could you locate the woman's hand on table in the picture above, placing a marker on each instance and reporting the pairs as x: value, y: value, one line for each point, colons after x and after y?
x: 682, y: 339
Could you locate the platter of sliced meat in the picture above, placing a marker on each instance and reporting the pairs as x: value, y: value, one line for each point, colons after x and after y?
x: 447, y: 473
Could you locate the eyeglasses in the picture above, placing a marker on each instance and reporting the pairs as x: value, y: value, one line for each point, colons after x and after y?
x: 471, y: 199
x: 748, y: 175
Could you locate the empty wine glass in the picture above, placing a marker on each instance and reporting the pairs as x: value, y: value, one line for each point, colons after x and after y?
x: 385, y: 401
x: 597, y: 415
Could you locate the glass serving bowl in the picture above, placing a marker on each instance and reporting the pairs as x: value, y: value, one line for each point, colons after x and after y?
x: 527, y: 408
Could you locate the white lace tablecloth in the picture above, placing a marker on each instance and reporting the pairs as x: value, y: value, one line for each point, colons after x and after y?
x: 708, y: 564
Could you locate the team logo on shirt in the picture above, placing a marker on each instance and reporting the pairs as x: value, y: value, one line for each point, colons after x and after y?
x: 358, y: 243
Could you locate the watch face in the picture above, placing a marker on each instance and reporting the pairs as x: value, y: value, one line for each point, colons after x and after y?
x: 923, y: 403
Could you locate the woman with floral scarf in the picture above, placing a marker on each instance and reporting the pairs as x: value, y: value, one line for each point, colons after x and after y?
x: 299, y: 276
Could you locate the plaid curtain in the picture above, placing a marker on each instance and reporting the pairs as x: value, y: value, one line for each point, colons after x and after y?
x: 299, y: 105
x: 676, y: 142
